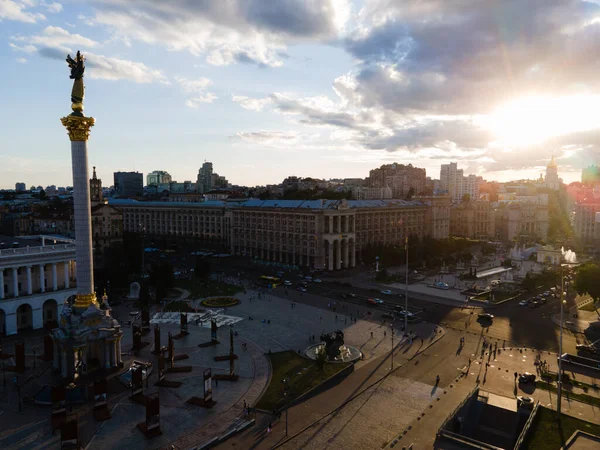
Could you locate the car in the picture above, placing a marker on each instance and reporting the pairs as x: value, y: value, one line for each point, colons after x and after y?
x: 375, y: 301
x: 386, y: 292
x: 317, y: 280
x: 526, y: 402
x: 586, y: 348
x: 523, y: 303
x: 546, y: 294
x: 287, y: 282
x: 486, y: 316
x: 308, y: 278
x: 526, y: 378
x: 442, y: 285
x: 302, y: 289
x: 351, y: 295
x: 534, y: 304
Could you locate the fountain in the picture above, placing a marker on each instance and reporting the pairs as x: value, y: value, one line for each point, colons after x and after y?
x: 569, y: 255
x: 335, y: 349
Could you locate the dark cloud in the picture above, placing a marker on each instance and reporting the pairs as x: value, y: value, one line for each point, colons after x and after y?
x: 52, y: 53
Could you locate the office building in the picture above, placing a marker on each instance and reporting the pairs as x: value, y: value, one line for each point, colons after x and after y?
x: 328, y: 234
x: 157, y: 177
x: 129, y: 184
x: 20, y: 187
x: 473, y: 220
x: 205, y: 180
x: 587, y: 221
x: 456, y: 185
x: 399, y: 178
x: 371, y: 193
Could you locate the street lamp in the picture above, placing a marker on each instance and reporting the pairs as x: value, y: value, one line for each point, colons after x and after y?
x: 406, y: 288
x: 392, y: 327
x: 286, y: 407
x: 560, y: 342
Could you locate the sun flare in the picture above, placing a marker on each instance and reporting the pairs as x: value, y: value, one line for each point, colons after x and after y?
x: 532, y: 120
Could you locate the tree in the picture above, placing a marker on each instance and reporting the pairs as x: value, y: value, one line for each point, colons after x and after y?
x: 466, y: 198
x: 42, y: 195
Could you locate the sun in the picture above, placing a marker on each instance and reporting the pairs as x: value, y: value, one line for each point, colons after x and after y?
x: 533, y: 120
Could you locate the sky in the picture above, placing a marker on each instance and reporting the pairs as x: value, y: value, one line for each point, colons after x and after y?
x: 320, y: 88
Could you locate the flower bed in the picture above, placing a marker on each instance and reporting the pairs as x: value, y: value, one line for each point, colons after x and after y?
x: 220, y: 302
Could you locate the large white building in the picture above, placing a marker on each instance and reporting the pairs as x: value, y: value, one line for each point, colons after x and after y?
x: 453, y: 181
x: 37, y: 275
x: 552, y: 181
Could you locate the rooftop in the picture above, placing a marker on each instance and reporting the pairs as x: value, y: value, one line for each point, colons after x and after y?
x: 288, y: 204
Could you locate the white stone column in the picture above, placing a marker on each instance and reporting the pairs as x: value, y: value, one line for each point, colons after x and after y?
x: 346, y: 254
x: 338, y: 255
x: 66, y: 271
x: 353, y: 254
x: 2, y: 284
x: 54, y: 278
x: 331, y: 256
x: 15, y: 279
x: 42, y: 279
x: 83, y: 218
x: 29, y: 284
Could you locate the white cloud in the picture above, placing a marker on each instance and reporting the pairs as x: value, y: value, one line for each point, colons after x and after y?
x: 22, y: 60
x: 225, y: 32
x: 269, y: 138
x: 253, y: 104
x: 107, y: 68
x: 53, y: 7
x: 23, y: 48
x: 59, y: 38
x: 16, y: 10
x: 197, y: 87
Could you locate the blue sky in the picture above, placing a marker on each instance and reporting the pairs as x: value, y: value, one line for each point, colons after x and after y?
x: 327, y: 88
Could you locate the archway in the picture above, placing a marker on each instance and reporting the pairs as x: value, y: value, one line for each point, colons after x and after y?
x: 24, y: 317
x: 50, y: 313
x: 2, y: 323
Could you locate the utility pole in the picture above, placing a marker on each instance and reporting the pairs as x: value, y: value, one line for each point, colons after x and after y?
x: 392, y: 327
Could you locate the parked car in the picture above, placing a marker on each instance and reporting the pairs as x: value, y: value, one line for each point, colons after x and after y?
x: 523, y: 303
x: 302, y: 289
x: 546, y: 294
x: 375, y: 301
x: 526, y: 378
x: 486, y: 316
x: 386, y: 292
x: 287, y: 283
x: 317, y: 280
x: 534, y: 304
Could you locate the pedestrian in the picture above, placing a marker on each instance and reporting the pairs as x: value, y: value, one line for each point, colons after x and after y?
x: 371, y: 335
x: 269, y: 428
x: 336, y: 317
x: 384, y: 333
x: 244, y: 404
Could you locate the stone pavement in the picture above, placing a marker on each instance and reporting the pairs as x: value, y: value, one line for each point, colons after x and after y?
x: 346, y: 415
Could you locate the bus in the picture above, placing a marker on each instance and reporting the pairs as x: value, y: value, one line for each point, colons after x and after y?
x: 272, y: 282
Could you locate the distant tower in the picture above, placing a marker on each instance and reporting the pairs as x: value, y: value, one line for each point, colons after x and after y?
x: 95, y: 189
x: 552, y: 181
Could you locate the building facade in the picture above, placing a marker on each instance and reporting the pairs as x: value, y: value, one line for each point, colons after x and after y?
x: 456, y: 185
x: 371, y: 193
x: 473, y: 220
x: 158, y: 177
x: 522, y: 222
x: 399, y: 178
x: 551, y: 180
x: 35, y: 280
x: 587, y: 221
x: 20, y: 187
x: 327, y: 234
x: 205, y: 178
x: 129, y: 184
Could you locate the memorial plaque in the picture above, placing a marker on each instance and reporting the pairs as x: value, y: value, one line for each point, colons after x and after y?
x: 183, y: 322
x: 145, y: 321
x: 213, y: 330
x: 151, y: 426
x: 171, y: 348
x: 101, y: 411
x: 161, y: 368
x: 156, y: 340
x: 58, y: 396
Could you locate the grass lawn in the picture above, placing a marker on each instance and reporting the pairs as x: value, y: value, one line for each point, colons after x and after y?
x: 545, y: 433
x: 210, y: 288
x: 302, y: 375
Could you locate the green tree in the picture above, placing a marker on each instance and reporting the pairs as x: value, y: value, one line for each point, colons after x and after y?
x: 321, y: 358
x: 42, y: 195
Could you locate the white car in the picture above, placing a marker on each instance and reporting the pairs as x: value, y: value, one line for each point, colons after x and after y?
x: 523, y: 303
x: 287, y: 283
x: 317, y: 280
x: 386, y: 292
x: 302, y: 289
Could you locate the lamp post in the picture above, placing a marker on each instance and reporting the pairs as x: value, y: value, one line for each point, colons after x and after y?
x: 406, y: 288
x: 286, y: 407
x: 560, y: 341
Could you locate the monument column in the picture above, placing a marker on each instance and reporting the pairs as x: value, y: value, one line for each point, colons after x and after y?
x: 78, y: 127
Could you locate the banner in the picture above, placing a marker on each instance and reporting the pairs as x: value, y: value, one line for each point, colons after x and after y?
x: 137, y: 386
x: 183, y: 322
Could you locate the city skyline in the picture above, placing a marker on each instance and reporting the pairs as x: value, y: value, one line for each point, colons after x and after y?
x: 324, y: 89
